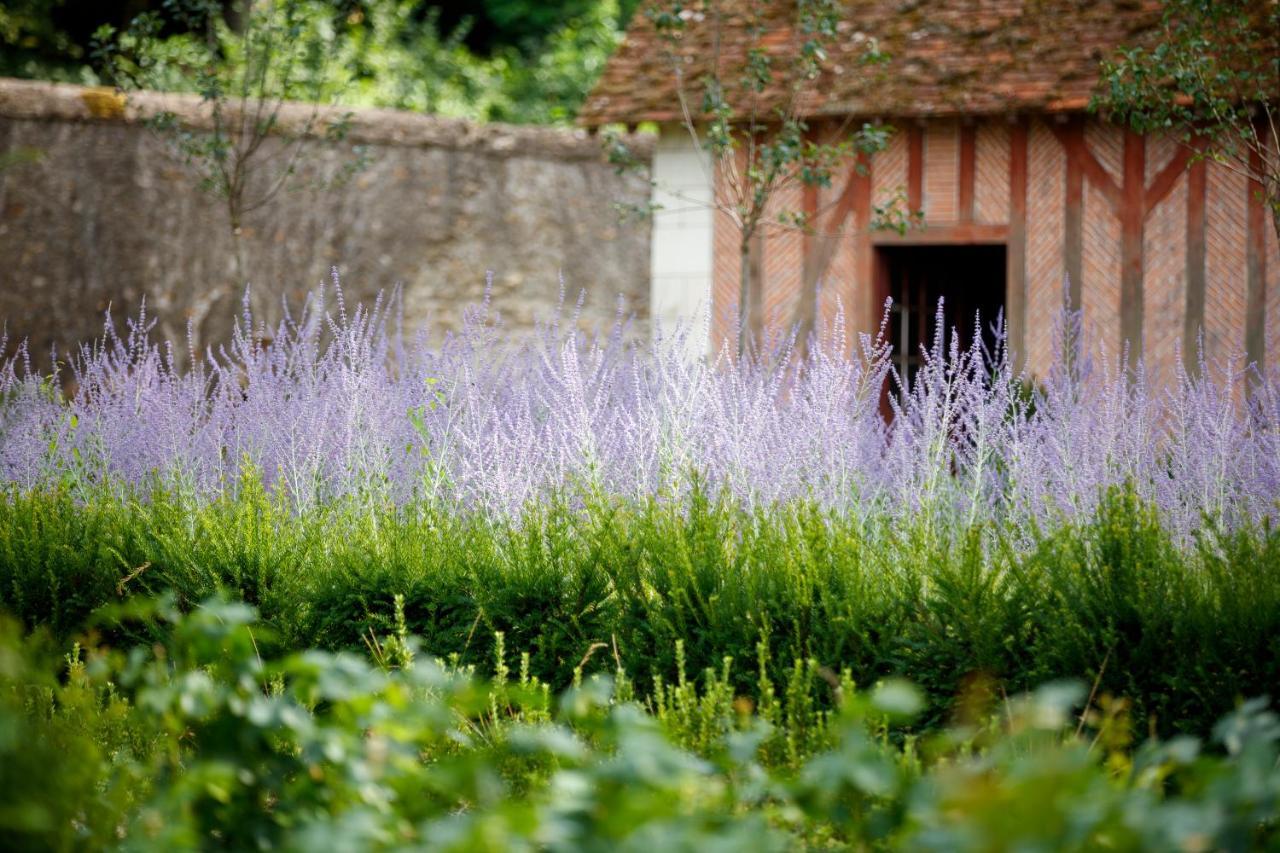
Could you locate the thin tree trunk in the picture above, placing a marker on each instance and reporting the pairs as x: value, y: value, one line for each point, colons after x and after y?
x: 805, y: 320
x: 750, y: 289
x: 1274, y: 202
x: 744, y: 292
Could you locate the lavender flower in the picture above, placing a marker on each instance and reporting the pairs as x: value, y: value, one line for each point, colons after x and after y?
x: 339, y: 405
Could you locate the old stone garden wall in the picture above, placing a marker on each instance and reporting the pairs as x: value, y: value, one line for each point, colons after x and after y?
x: 96, y: 210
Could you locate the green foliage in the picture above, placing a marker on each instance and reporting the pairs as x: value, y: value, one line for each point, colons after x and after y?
x: 653, y: 590
x: 278, y: 52
x: 69, y: 749
x: 32, y: 44
x: 201, y: 741
x: 395, y: 56
x: 507, y: 60
x: 748, y: 113
x: 1212, y: 78
x: 19, y: 157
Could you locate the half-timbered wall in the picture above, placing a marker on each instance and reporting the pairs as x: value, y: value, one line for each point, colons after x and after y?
x: 1156, y: 251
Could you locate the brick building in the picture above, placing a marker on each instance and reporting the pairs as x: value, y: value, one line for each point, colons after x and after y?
x: 1020, y: 187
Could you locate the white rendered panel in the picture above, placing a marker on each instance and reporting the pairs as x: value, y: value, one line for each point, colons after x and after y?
x: 680, y: 262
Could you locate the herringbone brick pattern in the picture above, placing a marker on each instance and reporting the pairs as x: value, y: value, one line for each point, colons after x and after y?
x: 941, y: 171
x: 783, y: 259
x: 843, y: 288
x: 1273, y: 295
x: 991, y: 174
x: 724, y: 272
x: 1106, y: 141
x: 1272, y: 319
x: 889, y: 169
x: 838, y: 283
x: 1046, y: 191
x: 1164, y: 245
x: 1225, y: 263
x: 1100, y: 290
x: 1160, y: 150
x: 1164, y: 282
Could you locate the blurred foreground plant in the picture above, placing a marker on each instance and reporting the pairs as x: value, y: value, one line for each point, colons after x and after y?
x: 330, y: 752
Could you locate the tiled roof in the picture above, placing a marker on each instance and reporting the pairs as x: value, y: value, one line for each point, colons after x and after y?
x: 946, y: 57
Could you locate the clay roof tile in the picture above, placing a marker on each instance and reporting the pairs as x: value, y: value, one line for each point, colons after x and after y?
x: 945, y: 57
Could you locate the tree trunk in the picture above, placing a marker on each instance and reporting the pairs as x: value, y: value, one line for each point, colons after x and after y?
x: 750, y: 289
x: 744, y: 293
x: 1274, y: 203
x: 805, y: 320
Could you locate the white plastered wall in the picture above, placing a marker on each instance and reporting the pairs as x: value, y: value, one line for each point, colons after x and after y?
x: 681, y: 247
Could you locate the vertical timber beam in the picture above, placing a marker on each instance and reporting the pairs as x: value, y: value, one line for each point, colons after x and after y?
x: 1193, y: 318
x: 864, y: 295
x: 808, y: 311
x: 1073, y: 221
x: 1016, y: 281
x: 968, y: 158
x: 915, y: 168
x: 1132, y: 213
x: 755, y: 295
x: 809, y: 206
x: 1256, y: 275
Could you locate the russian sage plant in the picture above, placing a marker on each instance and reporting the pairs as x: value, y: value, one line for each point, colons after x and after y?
x: 339, y: 404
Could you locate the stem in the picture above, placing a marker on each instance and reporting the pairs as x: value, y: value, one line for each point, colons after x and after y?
x: 744, y: 291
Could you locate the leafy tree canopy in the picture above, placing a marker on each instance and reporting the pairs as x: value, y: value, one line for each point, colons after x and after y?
x: 509, y: 60
x: 1212, y: 77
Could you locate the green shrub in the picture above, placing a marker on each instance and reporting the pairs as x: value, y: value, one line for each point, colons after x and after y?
x: 201, y: 741
x: 1184, y: 632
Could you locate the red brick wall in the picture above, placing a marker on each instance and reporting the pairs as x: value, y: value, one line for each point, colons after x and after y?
x: 1273, y: 297
x: 991, y: 173
x: 1100, y: 289
x: 1163, y: 247
x: 1046, y: 188
x: 1164, y: 283
x: 889, y: 174
x: 725, y: 266
x: 941, y: 171
x: 783, y: 260
x: 1225, y: 264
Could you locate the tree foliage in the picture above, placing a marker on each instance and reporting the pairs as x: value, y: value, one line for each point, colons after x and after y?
x: 200, y: 741
x: 746, y: 109
x: 244, y: 67
x: 1211, y: 77
x: 502, y: 60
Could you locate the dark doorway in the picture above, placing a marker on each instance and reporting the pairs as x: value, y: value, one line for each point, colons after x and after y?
x: 969, y: 279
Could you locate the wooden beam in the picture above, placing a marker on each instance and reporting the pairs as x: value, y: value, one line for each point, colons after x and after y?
x: 1016, y: 270
x: 1073, y: 220
x: 971, y: 234
x: 1133, y: 212
x: 809, y: 206
x: 821, y: 249
x: 805, y: 318
x: 862, y: 300
x: 1071, y: 136
x: 1162, y: 184
x: 1193, y: 316
x: 1255, y: 299
x: 968, y: 157
x: 915, y: 168
x: 755, y: 299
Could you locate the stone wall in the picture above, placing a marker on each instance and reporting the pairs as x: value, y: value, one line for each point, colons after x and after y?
x: 96, y: 210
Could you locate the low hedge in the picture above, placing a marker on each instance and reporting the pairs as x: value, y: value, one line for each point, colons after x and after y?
x: 1182, y: 629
